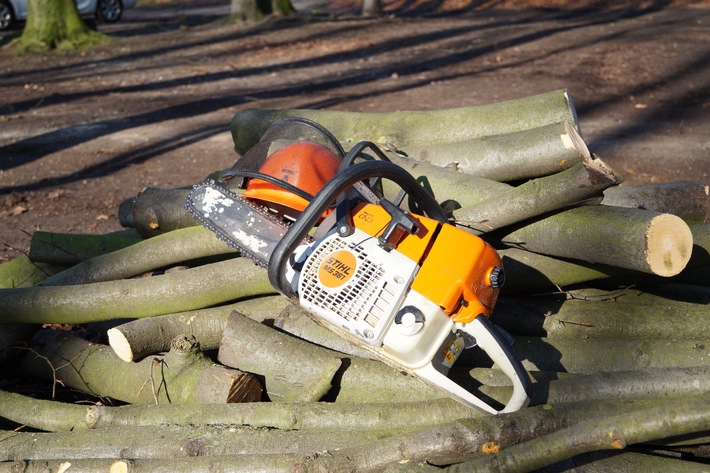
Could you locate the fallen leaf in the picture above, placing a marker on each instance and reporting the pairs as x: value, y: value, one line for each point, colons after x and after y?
x: 17, y: 210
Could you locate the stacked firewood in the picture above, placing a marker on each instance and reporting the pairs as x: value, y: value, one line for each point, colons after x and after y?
x: 189, y: 360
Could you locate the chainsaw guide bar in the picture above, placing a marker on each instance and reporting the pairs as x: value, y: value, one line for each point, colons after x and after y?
x: 245, y: 226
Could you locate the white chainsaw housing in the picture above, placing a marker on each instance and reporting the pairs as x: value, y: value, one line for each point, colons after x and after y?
x: 355, y: 285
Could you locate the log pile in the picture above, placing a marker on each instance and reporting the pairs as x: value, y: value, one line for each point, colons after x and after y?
x: 182, y: 358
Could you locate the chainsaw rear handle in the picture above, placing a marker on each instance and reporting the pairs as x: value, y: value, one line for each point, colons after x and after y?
x: 325, y: 197
x: 498, y: 348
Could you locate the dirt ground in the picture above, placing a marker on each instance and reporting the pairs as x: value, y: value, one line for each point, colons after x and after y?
x: 81, y: 133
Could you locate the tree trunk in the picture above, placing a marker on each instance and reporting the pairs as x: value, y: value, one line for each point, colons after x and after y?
x: 282, y: 7
x: 371, y: 8
x: 55, y: 24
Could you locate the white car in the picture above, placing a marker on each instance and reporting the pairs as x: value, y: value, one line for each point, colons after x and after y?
x: 104, y: 10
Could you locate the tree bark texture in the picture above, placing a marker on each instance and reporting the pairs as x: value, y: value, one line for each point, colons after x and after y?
x: 588, y: 356
x: 505, y: 157
x: 552, y: 387
x: 648, y: 317
x: 283, y: 361
x: 177, y: 246
x: 139, y: 338
x: 175, y: 442
x: 612, y: 433
x: 580, y: 183
x: 155, y: 210
x: 407, y: 128
x: 640, y: 240
x: 293, y: 371
x: 177, y: 291
x: 55, y: 24
x: 72, y: 248
x: 53, y: 416
x: 182, y: 376
x: 23, y: 272
x: 687, y: 199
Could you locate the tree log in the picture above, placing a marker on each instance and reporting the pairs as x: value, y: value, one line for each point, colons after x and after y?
x: 293, y: 371
x: 23, y: 272
x: 309, y: 416
x: 447, y: 183
x: 211, y: 463
x: 586, y: 356
x: 177, y: 246
x: 555, y: 387
x: 470, y: 438
x: 687, y: 199
x: 528, y: 272
x: 640, y: 240
x: 174, y: 442
x: 641, y: 317
x: 296, y: 321
x: 182, y: 376
x: 56, y: 416
x: 625, y: 462
x: 72, y: 248
x: 513, y: 156
x: 42, y: 414
x: 284, y: 357
x: 154, y: 211
x: 408, y: 128
x: 176, y: 291
x: 139, y: 338
x: 577, y: 184
x: 612, y: 433
x: 701, y: 245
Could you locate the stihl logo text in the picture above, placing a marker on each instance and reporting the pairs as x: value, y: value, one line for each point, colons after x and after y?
x: 337, y: 268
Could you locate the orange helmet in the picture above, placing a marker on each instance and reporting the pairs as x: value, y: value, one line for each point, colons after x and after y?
x: 305, y: 165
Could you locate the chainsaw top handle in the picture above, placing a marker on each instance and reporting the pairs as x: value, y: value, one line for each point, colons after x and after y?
x: 343, y: 181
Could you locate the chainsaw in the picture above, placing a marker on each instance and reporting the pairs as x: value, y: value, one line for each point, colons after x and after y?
x: 405, y: 285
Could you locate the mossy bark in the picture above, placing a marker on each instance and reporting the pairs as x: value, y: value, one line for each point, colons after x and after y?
x: 407, y: 128
x: 177, y: 246
x: 139, y: 338
x: 72, y: 248
x: 641, y: 240
x: 55, y: 24
x: 177, y: 291
x: 182, y: 376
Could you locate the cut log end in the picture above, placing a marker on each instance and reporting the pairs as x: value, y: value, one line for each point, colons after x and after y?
x: 245, y: 388
x: 669, y: 245
x: 120, y: 344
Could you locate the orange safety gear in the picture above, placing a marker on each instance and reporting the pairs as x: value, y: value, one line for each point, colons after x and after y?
x: 305, y: 165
